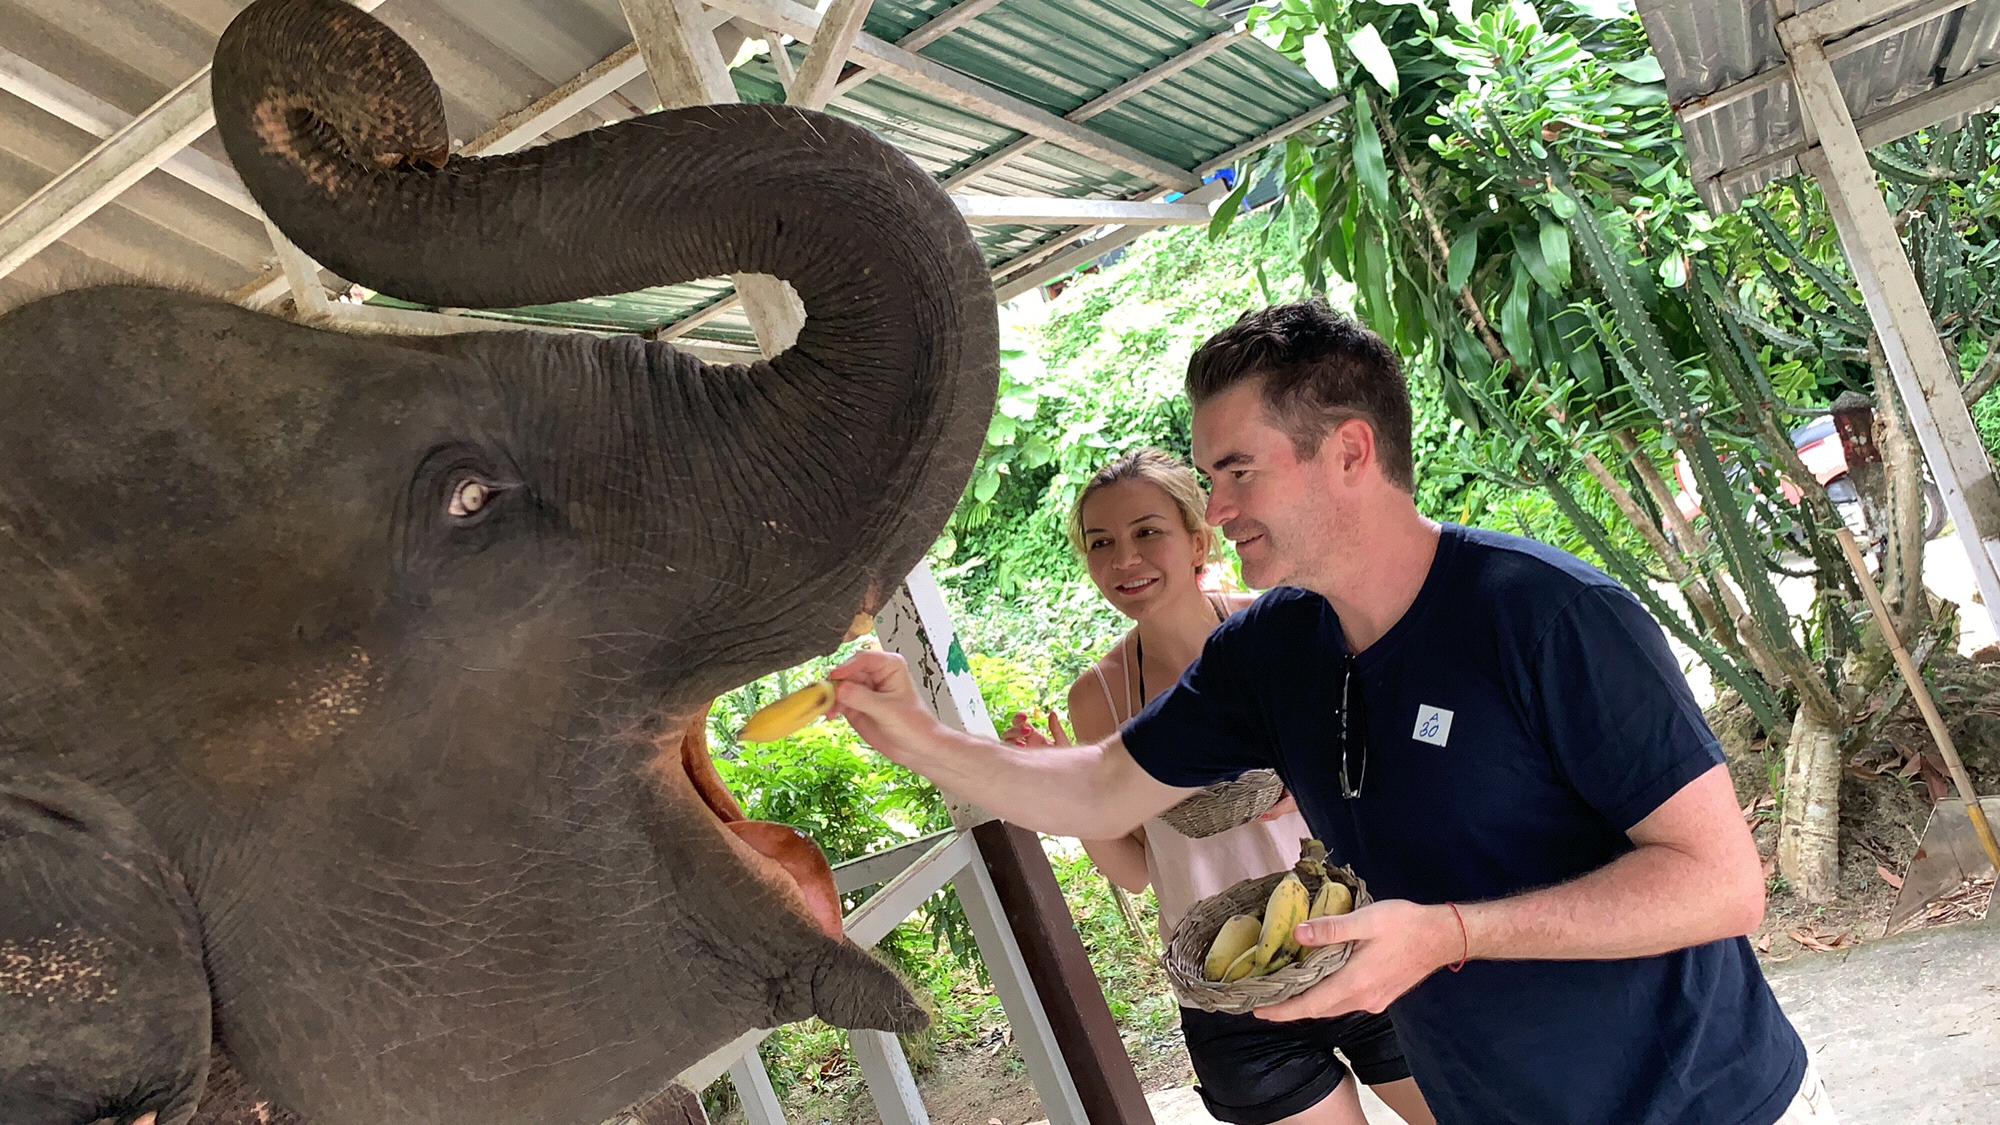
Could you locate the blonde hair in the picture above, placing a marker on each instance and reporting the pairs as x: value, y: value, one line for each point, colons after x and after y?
x: 1164, y: 472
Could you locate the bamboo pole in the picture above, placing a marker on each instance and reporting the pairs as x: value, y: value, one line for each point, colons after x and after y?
x: 1920, y: 692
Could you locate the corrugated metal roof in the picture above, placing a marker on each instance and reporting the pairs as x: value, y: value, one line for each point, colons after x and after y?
x: 492, y: 57
x: 1707, y: 46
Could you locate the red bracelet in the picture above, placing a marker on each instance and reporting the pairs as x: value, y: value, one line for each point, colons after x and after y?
x: 1466, y: 938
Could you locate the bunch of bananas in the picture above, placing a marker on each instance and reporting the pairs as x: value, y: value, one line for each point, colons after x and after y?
x: 1250, y: 945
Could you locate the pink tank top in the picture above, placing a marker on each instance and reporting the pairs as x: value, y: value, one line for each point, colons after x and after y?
x: 1183, y: 870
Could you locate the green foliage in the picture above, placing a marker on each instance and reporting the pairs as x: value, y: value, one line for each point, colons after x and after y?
x: 1128, y: 966
x: 1790, y: 285
x: 1556, y: 93
x: 1054, y: 629
x: 1986, y: 416
x: 823, y: 780
x: 1100, y: 376
x: 1537, y: 139
x: 1973, y: 355
x: 1541, y: 255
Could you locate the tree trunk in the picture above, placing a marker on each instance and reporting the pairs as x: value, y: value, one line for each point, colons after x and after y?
x: 1903, y: 549
x: 1809, y: 806
x: 1706, y: 612
x: 1130, y: 912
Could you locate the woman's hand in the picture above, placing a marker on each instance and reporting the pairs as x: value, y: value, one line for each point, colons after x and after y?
x: 1286, y: 804
x: 1023, y: 732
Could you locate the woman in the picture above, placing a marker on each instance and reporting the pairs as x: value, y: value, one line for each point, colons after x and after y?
x: 1138, y: 526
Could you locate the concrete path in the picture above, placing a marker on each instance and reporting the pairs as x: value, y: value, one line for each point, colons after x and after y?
x: 1905, y: 1031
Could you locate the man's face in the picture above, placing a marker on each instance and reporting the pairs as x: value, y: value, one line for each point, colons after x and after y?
x: 1272, y: 505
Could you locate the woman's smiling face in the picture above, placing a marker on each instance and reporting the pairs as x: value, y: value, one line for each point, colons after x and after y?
x: 1139, y: 552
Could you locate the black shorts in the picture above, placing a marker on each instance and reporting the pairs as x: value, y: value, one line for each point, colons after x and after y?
x: 1252, y: 1071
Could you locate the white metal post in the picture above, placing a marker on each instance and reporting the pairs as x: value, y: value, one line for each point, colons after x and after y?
x: 890, y: 1083
x: 1925, y: 376
x: 753, y: 1088
x: 916, y: 624
x: 301, y: 273
x: 1033, y: 1035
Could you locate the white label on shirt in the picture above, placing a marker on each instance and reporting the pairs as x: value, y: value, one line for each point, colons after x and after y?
x: 1433, y: 725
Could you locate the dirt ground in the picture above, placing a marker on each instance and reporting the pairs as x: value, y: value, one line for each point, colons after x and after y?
x: 1885, y: 803
x: 969, y: 1091
x: 985, y: 1082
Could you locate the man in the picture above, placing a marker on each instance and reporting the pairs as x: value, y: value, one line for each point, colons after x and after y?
x: 1494, y: 735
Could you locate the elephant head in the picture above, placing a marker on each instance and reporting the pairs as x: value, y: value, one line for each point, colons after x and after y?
x: 394, y: 649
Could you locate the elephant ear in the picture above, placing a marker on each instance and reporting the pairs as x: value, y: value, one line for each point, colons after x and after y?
x: 105, y: 1008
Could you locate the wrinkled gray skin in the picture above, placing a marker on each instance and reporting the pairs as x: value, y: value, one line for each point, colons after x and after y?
x: 369, y: 793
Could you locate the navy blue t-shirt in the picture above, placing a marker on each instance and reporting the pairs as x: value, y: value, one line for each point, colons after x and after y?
x: 1521, y: 717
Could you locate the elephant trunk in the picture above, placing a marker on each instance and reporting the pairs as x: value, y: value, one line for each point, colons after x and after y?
x: 338, y: 131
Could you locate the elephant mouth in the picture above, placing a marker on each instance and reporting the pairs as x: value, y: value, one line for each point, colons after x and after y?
x: 783, y: 857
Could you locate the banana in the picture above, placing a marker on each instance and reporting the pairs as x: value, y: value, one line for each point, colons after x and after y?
x: 1283, y: 912
x: 1237, y: 934
x: 1334, y: 897
x: 1312, y: 859
x: 1242, y: 967
x: 789, y: 715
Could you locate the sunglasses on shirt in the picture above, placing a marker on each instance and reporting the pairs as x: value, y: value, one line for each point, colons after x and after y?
x: 1353, y: 732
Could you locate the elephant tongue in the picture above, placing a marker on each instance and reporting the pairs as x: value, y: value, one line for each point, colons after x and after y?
x: 786, y: 857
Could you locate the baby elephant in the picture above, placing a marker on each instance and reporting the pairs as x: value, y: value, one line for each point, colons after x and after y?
x: 353, y: 687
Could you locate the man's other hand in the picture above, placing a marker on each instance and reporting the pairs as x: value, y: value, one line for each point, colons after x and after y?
x: 1397, y: 944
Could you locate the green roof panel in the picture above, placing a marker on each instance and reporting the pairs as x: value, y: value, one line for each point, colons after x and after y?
x: 1055, y: 54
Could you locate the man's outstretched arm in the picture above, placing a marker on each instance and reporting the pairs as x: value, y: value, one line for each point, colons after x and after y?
x: 1093, y: 791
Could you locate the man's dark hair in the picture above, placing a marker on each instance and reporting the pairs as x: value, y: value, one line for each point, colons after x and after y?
x: 1319, y: 369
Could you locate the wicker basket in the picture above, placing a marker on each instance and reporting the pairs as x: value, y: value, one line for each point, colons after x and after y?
x: 1226, y: 804
x: 1188, y: 948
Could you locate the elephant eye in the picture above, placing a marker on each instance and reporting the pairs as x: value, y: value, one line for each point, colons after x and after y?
x: 469, y: 497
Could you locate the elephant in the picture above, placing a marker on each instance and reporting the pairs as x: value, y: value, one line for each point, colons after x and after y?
x: 352, y: 684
